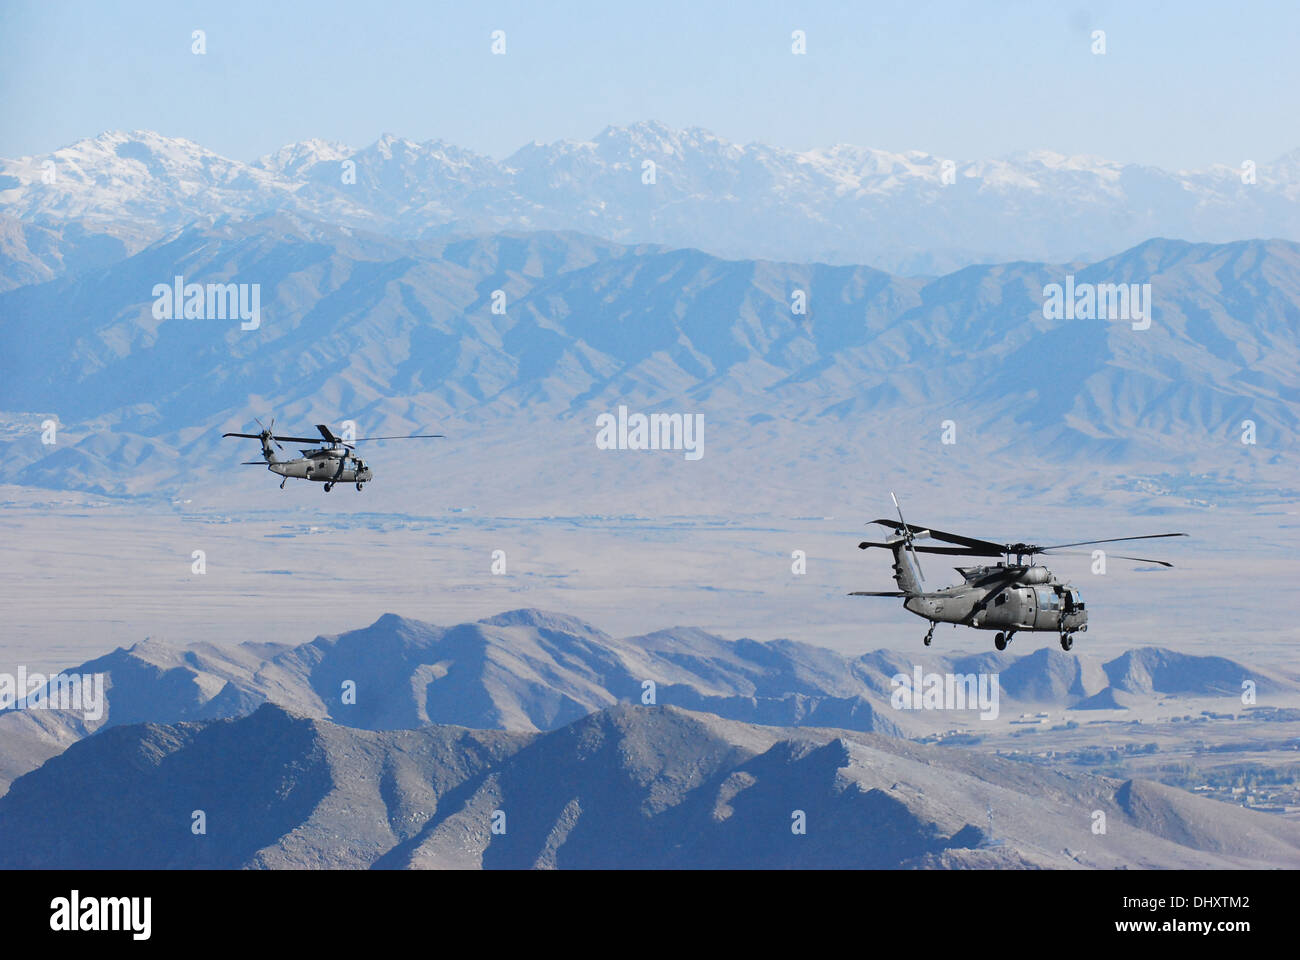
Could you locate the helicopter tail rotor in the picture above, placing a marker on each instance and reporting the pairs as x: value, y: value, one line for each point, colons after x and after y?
x: 269, y: 432
x: 908, y: 537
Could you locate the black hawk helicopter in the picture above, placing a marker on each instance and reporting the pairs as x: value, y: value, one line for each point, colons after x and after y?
x: 1006, y: 597
x: 335, y: 461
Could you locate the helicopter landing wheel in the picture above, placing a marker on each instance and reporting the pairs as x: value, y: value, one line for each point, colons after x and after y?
x: 1067, y: 641
x: 929, y: 636
x: 329, y: 487
x: 358, y: 488
x: 1000, y: 641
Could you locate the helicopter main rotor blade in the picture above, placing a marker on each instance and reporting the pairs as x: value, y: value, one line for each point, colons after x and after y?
x: 1115, y: 556
x: 951, y: 551
x: 337, y: 441
x: 258, y: 436
x: 417, y: 436
x: 1163, y: 563
x: 1085, y: 543
x: 973, y: 542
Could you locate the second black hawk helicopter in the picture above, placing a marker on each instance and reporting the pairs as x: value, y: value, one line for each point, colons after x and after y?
x: 1006, y: 597
x: 334, y: 461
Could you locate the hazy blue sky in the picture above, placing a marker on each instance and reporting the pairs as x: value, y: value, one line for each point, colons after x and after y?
x: 1182, y: 84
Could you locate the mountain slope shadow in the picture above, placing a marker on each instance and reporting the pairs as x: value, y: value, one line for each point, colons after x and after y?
x: 603, y: 792
x: 149, y: 781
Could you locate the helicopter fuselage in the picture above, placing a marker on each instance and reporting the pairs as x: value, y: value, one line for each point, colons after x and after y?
x: 1007, y: 598
x: 326, y: 465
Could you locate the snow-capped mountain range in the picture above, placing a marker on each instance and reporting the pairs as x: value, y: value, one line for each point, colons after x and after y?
x: 909, y: 213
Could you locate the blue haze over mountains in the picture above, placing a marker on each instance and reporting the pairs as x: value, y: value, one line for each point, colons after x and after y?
x: 396, y: 333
